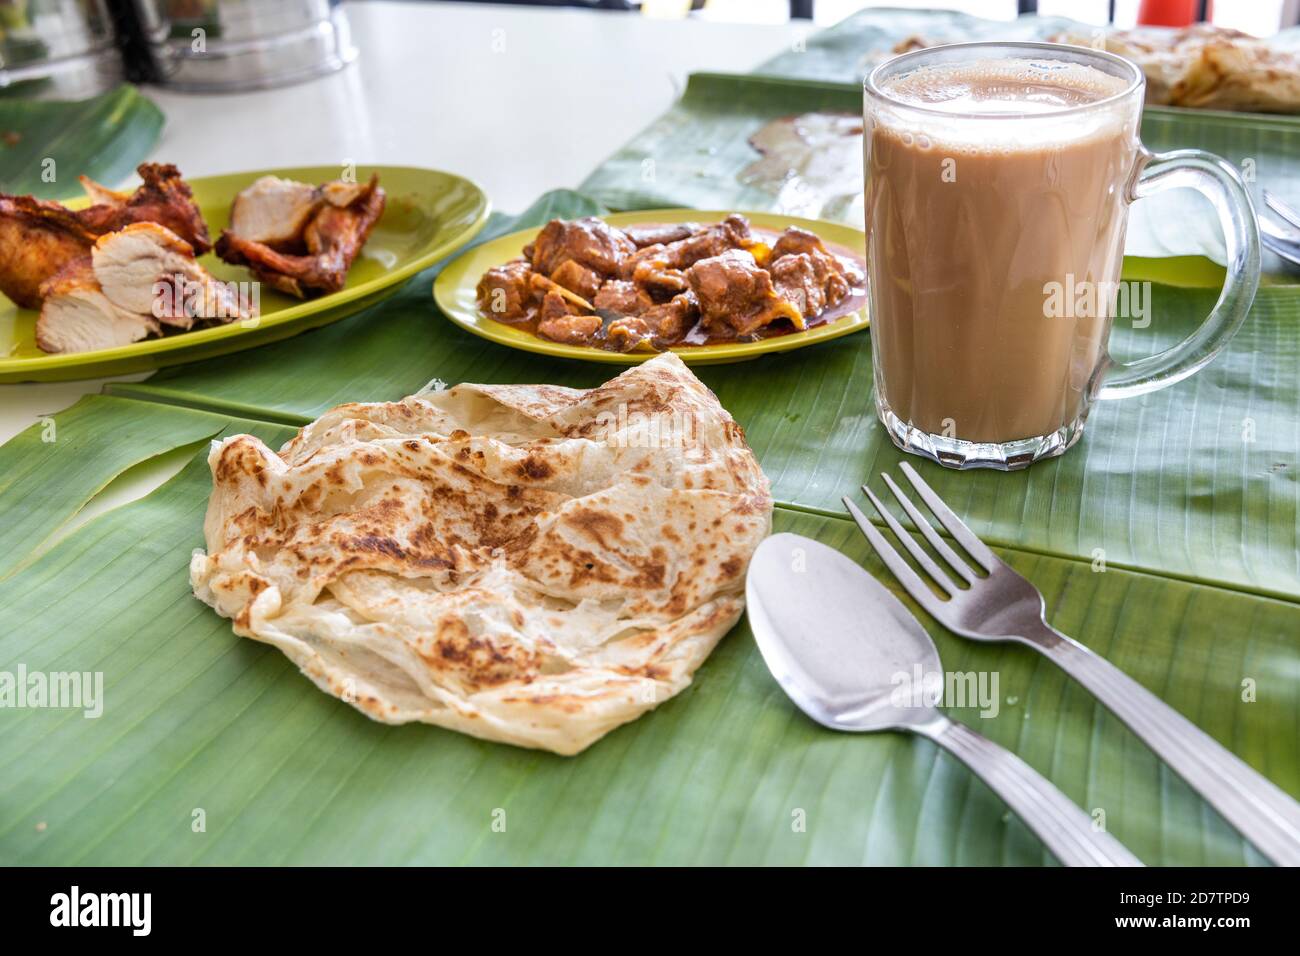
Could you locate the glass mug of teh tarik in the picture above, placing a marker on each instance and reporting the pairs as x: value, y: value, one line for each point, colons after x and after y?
x: 998, y: 181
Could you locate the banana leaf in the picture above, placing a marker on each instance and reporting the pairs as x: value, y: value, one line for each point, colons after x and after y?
x: 1265, y: 148
x: 36, y: 480
x: 45, y: 146
x: 1197, y: 481
x: 699, y: 153
x: 1167, y: 541
x: 847, y: 51
x: 212, y: 749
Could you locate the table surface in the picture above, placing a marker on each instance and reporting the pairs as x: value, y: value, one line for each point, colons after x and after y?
x: 520, y: 78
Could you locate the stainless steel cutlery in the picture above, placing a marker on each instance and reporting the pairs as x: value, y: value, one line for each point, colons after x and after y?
x: 1279, y: 227
x: 980, y: 597
x: 853, y: 658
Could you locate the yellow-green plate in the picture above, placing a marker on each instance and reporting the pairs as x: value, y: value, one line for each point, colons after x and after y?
x: 454, y: 292
x: 428, y: 215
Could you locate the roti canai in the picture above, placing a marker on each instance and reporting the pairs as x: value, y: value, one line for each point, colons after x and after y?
x: 527, y: 564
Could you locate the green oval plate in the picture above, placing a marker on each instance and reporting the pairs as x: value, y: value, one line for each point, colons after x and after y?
x: 454, y: 292
x: 428, y: 215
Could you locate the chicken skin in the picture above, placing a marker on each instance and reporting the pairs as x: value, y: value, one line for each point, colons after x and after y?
x: 38, y: 237
x: 315, y: 260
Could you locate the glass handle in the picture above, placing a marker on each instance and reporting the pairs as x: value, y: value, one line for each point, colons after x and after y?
x: 1217, y: 180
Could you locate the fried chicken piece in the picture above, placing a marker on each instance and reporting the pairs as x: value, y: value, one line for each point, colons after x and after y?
x: 332, y: 239
x: 164, y: 197
x: 78, y: 317
x: 274, y: 211
x: 735, y: 294
x: 559, y: 323
x: 504, y: 291
x: 148, y: 269
x: 588, y: 242
x: 134, y: 282
x: 38, y: 237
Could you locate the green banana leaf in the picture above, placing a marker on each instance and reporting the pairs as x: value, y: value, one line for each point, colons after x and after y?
x: 36, y: 480
x: 1197, y: 481
x: 847, y: 51
x: 1168, y: 541
x: 698, y: 152
x: 45, y: 146
x: 213, y: 749
x: 1265, y: 148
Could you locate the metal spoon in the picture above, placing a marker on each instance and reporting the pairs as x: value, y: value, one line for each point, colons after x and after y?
x: 1279, y: 228
x: 848, y: 653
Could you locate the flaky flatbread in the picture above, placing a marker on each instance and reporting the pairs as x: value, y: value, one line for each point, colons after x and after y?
x: 527, y: 564
x: 1207, y: 67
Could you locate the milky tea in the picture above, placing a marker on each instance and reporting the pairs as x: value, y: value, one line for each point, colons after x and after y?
x: 995, y: 211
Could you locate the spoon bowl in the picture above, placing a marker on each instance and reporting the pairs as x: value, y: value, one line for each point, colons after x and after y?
x: 853, y: 658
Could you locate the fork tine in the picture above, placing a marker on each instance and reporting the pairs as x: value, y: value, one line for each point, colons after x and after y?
x: 905, y: 539
x: 1283, y: 209
x: 956, y: 527
x: 1277, y: 227
x: 910, y: 580
x: 923, y: 526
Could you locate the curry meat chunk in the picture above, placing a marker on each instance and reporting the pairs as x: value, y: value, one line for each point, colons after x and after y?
x: 660, y: 267
x: 660, y: 325
x: 732, y: 233
x: 649, y: 286
x: 558, y: 321
x: 622, y: 297
x: 589, y: 242
x: 660, y: 234
x: 796, y: 241
x: 650, y: 270
x: 671, y: 321
x: 504, y: 291
x: 577, y: 278
x: 808, y: 281
x: 735, y: 293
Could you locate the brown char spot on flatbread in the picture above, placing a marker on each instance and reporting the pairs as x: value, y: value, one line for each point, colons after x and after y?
x: 600, y: 526
x: 534, y: 468
x: 238, y: 459
x: 478, y: 661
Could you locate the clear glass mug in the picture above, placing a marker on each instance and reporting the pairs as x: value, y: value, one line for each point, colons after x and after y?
x: 995, y: 240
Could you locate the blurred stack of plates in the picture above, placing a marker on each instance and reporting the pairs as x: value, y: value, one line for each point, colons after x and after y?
x: 223, y: 45
x: 57, y: 49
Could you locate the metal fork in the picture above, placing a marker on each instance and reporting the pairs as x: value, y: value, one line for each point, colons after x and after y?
x: 997, y: 604
x: 1279, y: 229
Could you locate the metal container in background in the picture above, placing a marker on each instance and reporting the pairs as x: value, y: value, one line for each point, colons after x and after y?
x: 212, y: 46
x: 57, y: 49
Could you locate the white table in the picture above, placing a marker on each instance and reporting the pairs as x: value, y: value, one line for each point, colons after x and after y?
x: 521, y: 100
